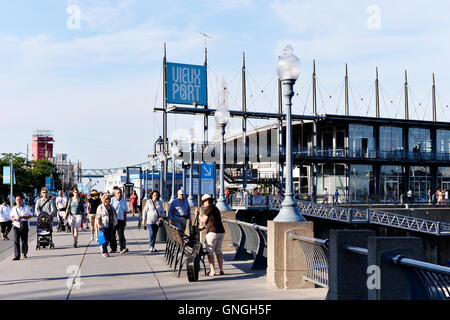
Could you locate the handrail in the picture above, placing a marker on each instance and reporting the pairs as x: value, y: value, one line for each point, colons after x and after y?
x: 399, y: 259
x: 254, y: 226
x: 295, y: 236
x: 362, y: 251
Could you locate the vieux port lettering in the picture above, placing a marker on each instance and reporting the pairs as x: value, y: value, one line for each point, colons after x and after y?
x: 186, y: 83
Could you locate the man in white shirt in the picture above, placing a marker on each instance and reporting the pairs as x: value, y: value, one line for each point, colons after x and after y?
x: 61, y: 204
x: 5, y: 220
x: 20, y: 216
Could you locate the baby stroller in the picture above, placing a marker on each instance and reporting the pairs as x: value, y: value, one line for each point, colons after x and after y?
x: 44, y: 230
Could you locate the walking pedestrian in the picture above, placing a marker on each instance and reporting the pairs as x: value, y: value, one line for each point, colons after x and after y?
x: 120, y: 205
x: 180, y: 212
x: 74, y: 214
x: 133, y: 202
x: 446, y: 196
x: 336, y: 196
x: 5, y: 219
x: 93, y: 203
x: 429, y: 196
x: 61, y: 206
x: 153, y: 214
x: 215, y: 233
x: 45, y: 204
x: 20, y: 216
x: 106, y: 221
x: 325, y: 196
x: 409, y: 195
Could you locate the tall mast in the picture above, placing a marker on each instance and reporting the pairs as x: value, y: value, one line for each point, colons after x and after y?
x: 205, y: 118
x: 406, y: 97
x: 314, y: 89
x: 434, y: 100
x: 244, y: 122
x: 377, y: 96
x: 346, y: 91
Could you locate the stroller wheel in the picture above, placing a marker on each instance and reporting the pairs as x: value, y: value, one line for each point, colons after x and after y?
x: 52, y: 246
x: 38, y: 247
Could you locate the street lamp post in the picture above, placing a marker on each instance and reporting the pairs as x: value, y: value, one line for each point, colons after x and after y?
x: 191, y: 198
x: 152, y: 163
x: 175, y: 151
x: 162, y: 158
x: 288, y: 68
x: 222, y: 117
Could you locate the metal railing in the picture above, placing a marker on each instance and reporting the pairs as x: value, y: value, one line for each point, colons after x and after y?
x: 250, y: 241
x: 353, y: 215
x: 317, y: 258
x: 360, y: 153
x: 434, y: 278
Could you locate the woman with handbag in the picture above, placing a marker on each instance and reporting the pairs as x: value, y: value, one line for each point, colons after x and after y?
x: 152, y: 217
x: 106, y: 221
x: 75, y: 213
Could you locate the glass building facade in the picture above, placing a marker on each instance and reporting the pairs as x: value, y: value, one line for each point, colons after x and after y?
x: 444, y: 178
x: 419, y: 140
x: 331, y: 176
x: 362, y: 183
x: 391, y: 183
x: 443, y: 143
x: 391, y: 139
x: 361, y: 141
x: 419, y: 182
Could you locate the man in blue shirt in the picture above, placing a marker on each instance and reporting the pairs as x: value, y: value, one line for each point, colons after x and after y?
x: 120, y: 205
x: 180, y: 212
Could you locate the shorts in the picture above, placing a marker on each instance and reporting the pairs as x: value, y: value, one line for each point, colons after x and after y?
x: 75, y: 221
x: 214, y: 243
x: 92, y: 218
x: 6, y: 226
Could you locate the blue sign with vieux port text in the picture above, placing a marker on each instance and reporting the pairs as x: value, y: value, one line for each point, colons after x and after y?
x: 186, y: 84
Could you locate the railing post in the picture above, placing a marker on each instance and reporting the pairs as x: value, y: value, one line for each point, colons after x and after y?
x: 388, y: 281
x: 347, y: 280
x: 350, y: 216
x: 286, y: 262
x: 438, y: 228
x: 368, y: 215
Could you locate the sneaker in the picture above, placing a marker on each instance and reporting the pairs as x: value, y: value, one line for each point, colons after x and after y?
x: 124, y: 251
x: 105, y: 255
x: 151, y: 249
x: 92, y: 238
x: 16, y: 258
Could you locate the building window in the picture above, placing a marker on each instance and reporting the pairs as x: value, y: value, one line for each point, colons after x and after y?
x: 419, y: 182
x: 361, y: 141
x: 443, y: 143
x: 391, y: 179
x: 362, y: 183
x: 419, y: 140
x: 444, y: 178
x: 391, y: 139
x: 332, y: 177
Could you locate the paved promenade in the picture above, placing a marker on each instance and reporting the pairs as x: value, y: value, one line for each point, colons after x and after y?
x: 137, y: 274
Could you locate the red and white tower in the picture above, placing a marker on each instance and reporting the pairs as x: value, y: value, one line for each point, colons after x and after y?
x: 43, y: 145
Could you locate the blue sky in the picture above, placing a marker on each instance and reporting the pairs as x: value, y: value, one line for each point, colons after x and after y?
x: 96, y: 87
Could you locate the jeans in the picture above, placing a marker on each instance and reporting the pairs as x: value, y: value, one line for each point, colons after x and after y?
x: 120, y: 229
x: 152, y: 232
x: 20, y: 235
x: 108, y: 232
x: 179, y: 223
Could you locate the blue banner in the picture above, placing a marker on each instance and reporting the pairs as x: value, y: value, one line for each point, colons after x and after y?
x: 186, y: 84
x: 7, y: 176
